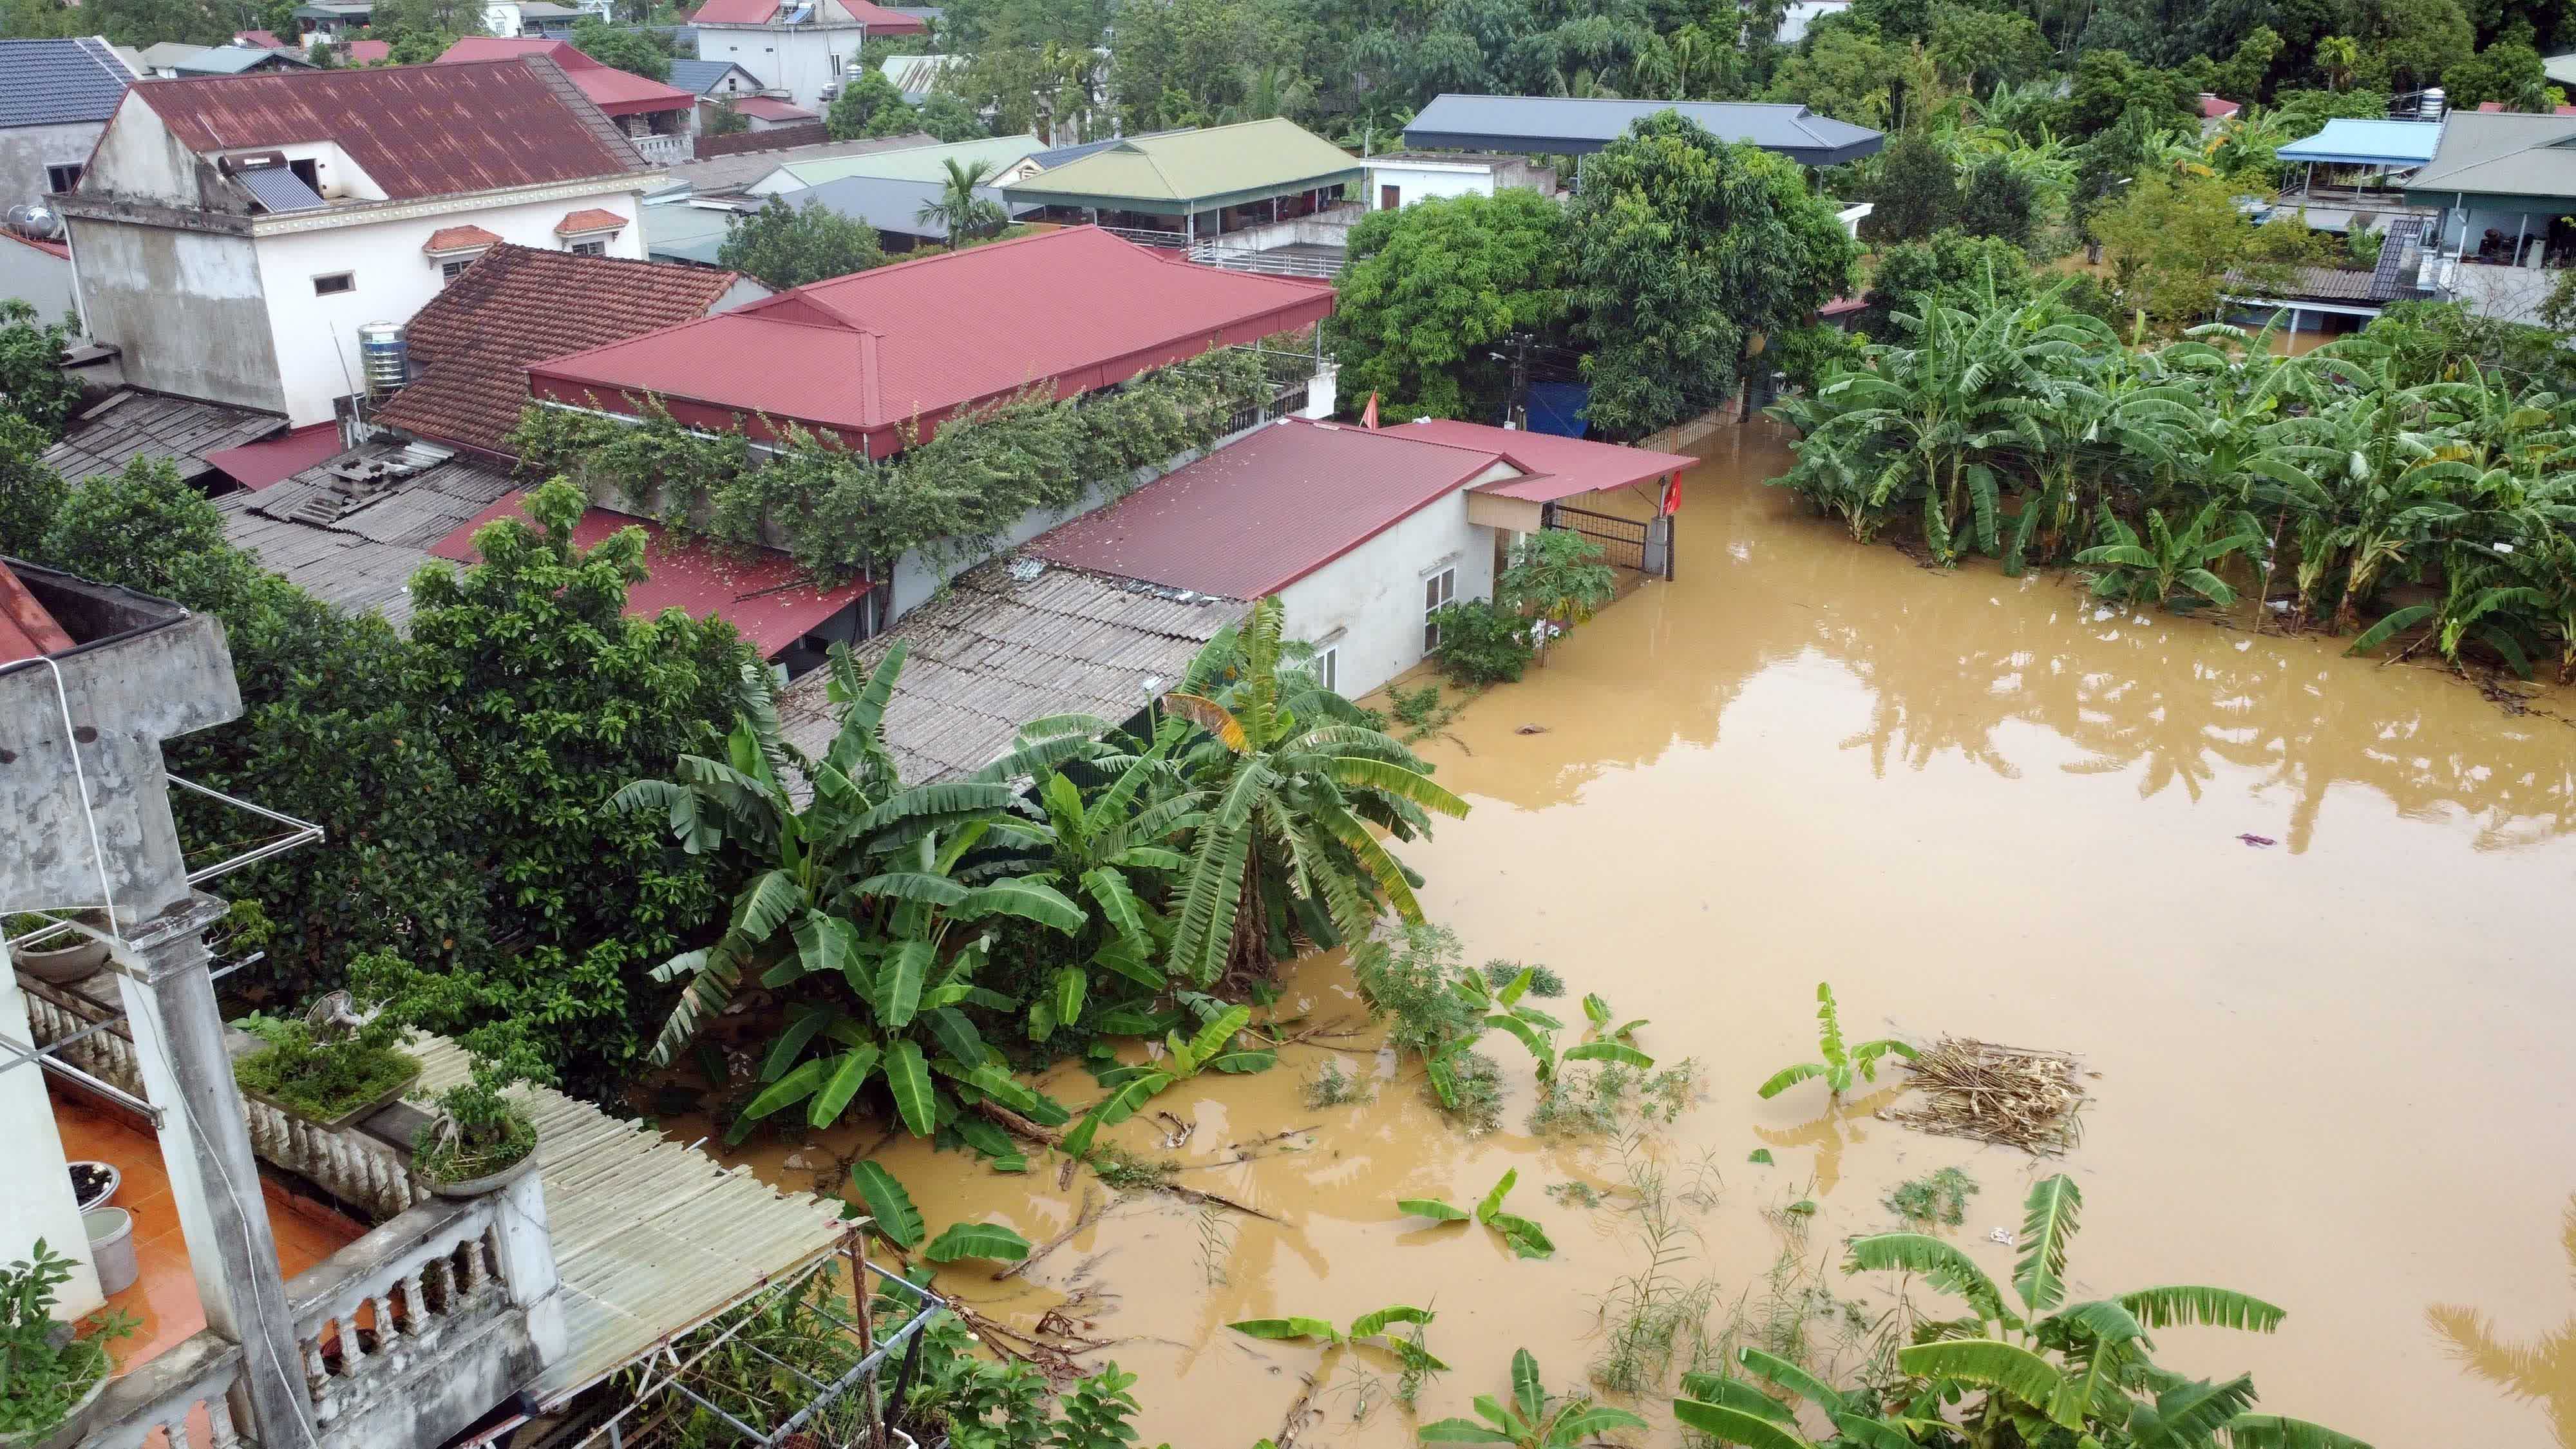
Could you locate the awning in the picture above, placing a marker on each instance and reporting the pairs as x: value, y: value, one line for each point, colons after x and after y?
x: 765, y: 595
x: 2397, y: 144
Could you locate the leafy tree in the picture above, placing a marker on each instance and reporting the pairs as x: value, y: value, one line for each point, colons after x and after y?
x: 1193, y: 62
x: 868, y: 105
x: 788, y: 246
x: 2172, y: 241
x: 1681, y: 249
x: 30, y: 492
x: 2339, y: 57
x: 417, y: 47
x: 322, y: 54
x: 1917, y: 190
x: 2247, y: 74
x: 2411, y: 44
x: 43, y: 20
x: 637, y: 52
x: 1432, y: 289
x: 33, y: 384
x: 1481, y: 643
x: 2108, y: 85
x: 948, y: 118
x: 1843, y: 71
x: 1979, y: 48
x: 2506, y: 72
x: 1997, y: 201
x: 1556, y: 575
x: 142, y: 22
x: 726, y: 119
x: 2165, y: 567
x: 1287, y: 800
x: 959, y: 209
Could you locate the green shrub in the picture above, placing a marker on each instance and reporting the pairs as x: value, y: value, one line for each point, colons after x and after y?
x: 42, y: 1374
x: 1480, y: 644
x: 321, y: 1078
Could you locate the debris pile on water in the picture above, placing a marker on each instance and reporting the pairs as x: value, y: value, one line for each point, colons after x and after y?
x: 2017, y: 1096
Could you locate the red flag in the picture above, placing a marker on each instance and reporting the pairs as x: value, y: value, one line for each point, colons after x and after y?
x: 1368, y: 415
x: 1672, y: 493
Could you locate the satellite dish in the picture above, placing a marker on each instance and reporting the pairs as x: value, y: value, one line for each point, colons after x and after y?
x: 36, y: 219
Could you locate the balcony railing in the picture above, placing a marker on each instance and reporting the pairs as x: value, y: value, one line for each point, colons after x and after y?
x: 180, y: 1393
x: 665, y: 150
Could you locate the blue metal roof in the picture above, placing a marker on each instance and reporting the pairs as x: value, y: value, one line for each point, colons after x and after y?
x: 2368, y: 143
x: 59, y: 82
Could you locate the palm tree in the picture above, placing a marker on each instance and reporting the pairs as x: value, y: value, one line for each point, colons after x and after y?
x: 1287, y: 799
x: 958, y: 211
x: 2338, y: 56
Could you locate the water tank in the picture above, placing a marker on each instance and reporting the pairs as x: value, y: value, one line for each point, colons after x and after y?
x: 2434, y: 103
x: 386, y: 357
x: 35, y: 219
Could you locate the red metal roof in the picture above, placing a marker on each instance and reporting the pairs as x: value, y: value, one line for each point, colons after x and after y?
x: 264, y: 40
x: 460, y: 238
x: 617, y: 92
x: 878, y: 19
x: 50, y: 248
x: 1252, y: 518
x: 370, y: 52
x: 27, y: 628
x: 770, y: 108
x: 475, y: 339
x: 868, y: 355
x: 1557, y: 466
x: 417, y: 130
x: 763, y: 593
x: 257, y: 465
x: 2213, y: 108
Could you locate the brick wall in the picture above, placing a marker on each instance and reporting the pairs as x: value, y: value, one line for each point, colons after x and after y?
x: 810, y: 133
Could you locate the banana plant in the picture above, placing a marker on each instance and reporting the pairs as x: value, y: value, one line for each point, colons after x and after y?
x: 1532, y: 1028
x: 1596, y: 1010
x: 1366, y: 1326
x: 1532, y: 1418
x: 2166, y: 568
x: 1212, y: 1049
x: 2080, y: 1372
x: 1840, y: 1064
x: 1734, y: 1411
x: 1524, y: 1237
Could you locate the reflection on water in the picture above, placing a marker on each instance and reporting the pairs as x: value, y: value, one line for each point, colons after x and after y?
x: 2542, y: 1369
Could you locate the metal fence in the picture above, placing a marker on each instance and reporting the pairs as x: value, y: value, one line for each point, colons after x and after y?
x: 1269, y: 264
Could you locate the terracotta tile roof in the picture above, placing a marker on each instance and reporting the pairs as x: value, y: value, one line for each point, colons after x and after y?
x: 460, y: 238
x: 617, y: 92
x: 877, y: 18
x: 878, y: 353
x: 1254, y: 517
x: 515, y: 305
x: 417, y: 130
x: 589, y: 218
x: 764, y: 594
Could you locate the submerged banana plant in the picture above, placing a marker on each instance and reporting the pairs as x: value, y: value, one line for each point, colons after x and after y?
x: 1840, y: 1064
x: 1536, y: 1030
x: 1533, y: 1418
x: 1524, y: 1237
x: 1212, y: 1049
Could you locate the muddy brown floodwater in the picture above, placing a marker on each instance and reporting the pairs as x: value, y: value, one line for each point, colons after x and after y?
x: 2331, y: 1071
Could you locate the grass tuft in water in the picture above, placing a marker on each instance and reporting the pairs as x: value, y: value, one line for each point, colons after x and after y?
x: 1128, y: 1171
x: 1330, y: 1086
x: 1940, y: 1198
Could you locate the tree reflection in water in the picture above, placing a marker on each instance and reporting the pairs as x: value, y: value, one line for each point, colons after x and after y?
x: 2543, y: 1369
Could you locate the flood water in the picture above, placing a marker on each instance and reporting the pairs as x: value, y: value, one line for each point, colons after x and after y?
x: 2328, y: 1071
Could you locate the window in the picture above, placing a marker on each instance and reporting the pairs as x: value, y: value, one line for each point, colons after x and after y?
x: 453, y: 268
x: 309, y: 173
x: 589, y: 248
x: 1328, y: 667
x: 62, y: 178
x: 333, y: 283
x: 1437, y: 590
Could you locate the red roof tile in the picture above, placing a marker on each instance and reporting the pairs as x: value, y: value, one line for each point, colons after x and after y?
x: 877, y: 352
x: 257, y: 465
x: 1255, y: 517
x: 770, y: 108
x: 878, y: 19
x: 460, y: 238
x: 765, y: 595
x: 617, y: 92
x: 474, y: 340
x: 417, y: 130
x: 27, y: 628
x: 589, y: 218
x: 1559, y: 466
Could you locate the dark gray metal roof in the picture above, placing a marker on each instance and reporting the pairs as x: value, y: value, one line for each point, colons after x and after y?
x: 59, y: 82
x: 699, y: 77
x: 1565, y: 126
x: 1048, y: 160
x: 893, y: 206
x: 278, y: 189
x: 240, y: 60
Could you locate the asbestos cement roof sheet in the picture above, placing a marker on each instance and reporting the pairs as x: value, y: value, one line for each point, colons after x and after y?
x: 417, y: 131
x: 1008, y: 642
x: 132, y: 425
x: 59, y: 82
x: 1567, y: 126
x: 1249, y: 158
x: 894, y: 206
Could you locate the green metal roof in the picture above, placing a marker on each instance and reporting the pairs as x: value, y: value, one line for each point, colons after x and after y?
x: 914, y: 163
x: 1218, y: 164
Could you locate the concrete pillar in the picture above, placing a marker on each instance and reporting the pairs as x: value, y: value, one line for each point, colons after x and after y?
x: 1323, y: 391
x: 214, y: 1180
x: 37, y: 1202
x: 527, y: 1254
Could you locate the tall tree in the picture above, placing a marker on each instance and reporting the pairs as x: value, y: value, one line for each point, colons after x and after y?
x: 1997, y: 201
x: 788, y: 246
x: 637, y: 52
x: 868, y: 105
x: 1431, y: 289
x: 1682, y: 250
x: 1918, y: 190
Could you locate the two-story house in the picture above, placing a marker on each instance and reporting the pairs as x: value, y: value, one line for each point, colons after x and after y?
x: 232, y: 235
x: 55, y: 97
x: 800, y: 47
x: 658, y: 118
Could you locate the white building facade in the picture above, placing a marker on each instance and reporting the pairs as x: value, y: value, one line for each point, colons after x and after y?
x: 1401, y: 178
x: 803, y: 49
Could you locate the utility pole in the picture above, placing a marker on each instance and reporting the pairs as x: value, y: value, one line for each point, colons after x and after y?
x: 1518, y: 414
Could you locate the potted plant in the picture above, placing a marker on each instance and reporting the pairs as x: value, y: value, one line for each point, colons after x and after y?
x: 94, y: 1183
x: 481, y: 1140
x: 331, y: 1067
x: 50, y: 1378
x: 66, y: 957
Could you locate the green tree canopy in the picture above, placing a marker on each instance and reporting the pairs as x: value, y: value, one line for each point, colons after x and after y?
x: 2507, y: 72
x: 637, y: 52
x: 1918, y: 190
x: 32, y: 381
x: 1681, y: 249
x: 1995, y: 200
x: 948, y: 118
x: 1432, y: 288
x: 868, y: 105
x: 787, y: 246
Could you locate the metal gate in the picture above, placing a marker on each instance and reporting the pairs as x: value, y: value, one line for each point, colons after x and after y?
x: 1642, y: 544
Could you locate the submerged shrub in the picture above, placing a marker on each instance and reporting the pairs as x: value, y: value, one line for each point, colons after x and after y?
x: 1481, y: 644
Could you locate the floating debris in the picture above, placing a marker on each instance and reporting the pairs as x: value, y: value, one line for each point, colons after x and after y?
x: 2257, y: 841
x: 2015, y: 1096
x: 1531, y: 729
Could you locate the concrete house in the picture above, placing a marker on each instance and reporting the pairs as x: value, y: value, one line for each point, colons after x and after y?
x: 1401, y: 178
x: 658, y: 118
x: 55, y: 98
x: 799, y: 48
x: 233, y: 235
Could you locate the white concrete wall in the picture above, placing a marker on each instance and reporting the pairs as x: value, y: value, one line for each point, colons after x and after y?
x: 1367, y: 604
x: 315, y: 338
x: 501, y: 20
x: 797, y: 61
x: 25, y: 152
x: 185, y: 307
x: 1424, y: 180
x: 38, y: 278
x: 36, y: 1193
x: 138, y: 159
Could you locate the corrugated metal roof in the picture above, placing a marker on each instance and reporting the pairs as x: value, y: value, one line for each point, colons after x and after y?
x: 879, y: 351
x: 416, y: 130
x: 878, y: 19
x: 906, y: 163
x: 237, y: 59
x: 1566, y: 126
x: 917, y: 75
x: 701, y: 77
x: 1558, y: 466
x: 766, y: 595
x: 58, y: 82
x: 131, y: 425
x: 2500, y: 155
x: 994, y: 652
x: 650, y: 1237
x: 770, y: 108
x: 1179, y: 166
x: 1259, y: 514
x: 2368, y: 143
x: 894, y: 206
x: 274, y: 460
x: 617, y: 92
x: 731, y: 174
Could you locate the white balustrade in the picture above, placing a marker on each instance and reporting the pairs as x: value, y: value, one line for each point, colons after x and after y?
x: 179, y: 1395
